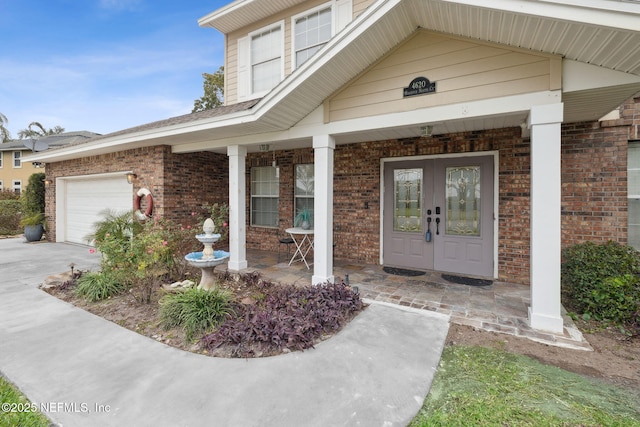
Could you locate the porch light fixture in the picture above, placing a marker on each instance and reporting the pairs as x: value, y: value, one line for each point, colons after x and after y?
x: 130, y: 177
x: 264, y: 147
x: 426, y: 130
x: 37, y: 164
x: 47, y: 182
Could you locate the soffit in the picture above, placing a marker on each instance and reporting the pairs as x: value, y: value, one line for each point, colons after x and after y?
x: 389, y: 23
x: 543, y: 26
x: 241, y: 13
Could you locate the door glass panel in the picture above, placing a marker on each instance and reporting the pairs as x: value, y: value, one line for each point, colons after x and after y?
x: 407, y: 209
x: 463, y: 201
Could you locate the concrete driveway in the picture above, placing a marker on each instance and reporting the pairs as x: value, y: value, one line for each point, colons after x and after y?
x: 83, y: 370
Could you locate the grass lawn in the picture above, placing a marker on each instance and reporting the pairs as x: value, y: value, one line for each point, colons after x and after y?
x: 16, y: 410
x: 486, y: 387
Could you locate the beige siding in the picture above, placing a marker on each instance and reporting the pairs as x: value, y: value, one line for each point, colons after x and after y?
x: 464, y: 70
x: 231, y: 59
x: 360, y: 5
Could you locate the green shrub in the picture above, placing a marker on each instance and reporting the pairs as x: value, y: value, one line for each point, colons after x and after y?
x: 8, y: 194
x: 10, y: 217
x: 33, y: 196
x: 195, y: 310
x: 601, y: 280
x: 96, y: 286
x: 615, y: 299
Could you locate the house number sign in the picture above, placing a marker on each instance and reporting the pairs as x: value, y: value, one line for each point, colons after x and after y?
x: 419, y: 86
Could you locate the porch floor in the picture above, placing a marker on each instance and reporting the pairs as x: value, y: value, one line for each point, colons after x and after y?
x: 501, y: 307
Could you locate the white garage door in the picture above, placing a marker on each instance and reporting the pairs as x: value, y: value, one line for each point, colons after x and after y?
x: 86, y: 199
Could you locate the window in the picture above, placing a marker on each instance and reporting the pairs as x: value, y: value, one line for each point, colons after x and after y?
x: 264, y: 196
x: 311, y: 32
x: 17, y: 156
x: 17, y: 186
x: 260, y: 61
x: 304, y: 191
x: 1, y: 185
x: 1, y: 159
x: 266, y: 60
x: 633, y: 194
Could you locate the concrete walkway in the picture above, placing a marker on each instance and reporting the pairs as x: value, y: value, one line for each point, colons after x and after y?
x: 83, y: 370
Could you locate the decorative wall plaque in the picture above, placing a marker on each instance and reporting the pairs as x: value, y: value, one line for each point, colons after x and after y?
x: 419, y: 86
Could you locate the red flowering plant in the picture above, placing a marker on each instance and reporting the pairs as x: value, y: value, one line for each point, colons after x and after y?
x: 142, y: 256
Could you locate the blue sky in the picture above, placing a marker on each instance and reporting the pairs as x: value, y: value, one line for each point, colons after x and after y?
x: 103, y: 65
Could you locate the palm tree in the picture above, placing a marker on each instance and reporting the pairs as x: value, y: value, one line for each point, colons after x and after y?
x: 5, y: 135
x: 29, y: 132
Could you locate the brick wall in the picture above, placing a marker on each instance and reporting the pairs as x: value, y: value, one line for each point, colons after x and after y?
x: 179, y: 183
x: 594, y: 185
x: 357, y: 193
x: 594, y: 177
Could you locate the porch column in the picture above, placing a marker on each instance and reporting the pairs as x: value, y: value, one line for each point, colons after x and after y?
x: 323, y: 209
x: 237, y: 217
x: 546, y: 185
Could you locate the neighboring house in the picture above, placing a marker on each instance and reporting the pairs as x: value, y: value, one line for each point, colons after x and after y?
x: 14, y: 173
x: 482, y: 117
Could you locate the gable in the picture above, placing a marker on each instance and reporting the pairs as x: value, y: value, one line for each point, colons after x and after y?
x: 463, y: 70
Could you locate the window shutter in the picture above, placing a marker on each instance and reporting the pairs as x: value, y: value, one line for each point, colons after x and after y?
x: 244, y: 79
x: 343, y: 15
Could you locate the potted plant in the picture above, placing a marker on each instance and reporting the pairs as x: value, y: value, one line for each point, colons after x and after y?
x: 32, y: 199
x: 33, y: 226
x: 303, y: 219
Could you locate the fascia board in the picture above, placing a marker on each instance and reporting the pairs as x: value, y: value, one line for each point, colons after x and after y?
x: 234, y: 119
x: 601, y: 13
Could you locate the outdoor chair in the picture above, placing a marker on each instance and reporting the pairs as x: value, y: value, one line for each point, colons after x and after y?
x: 287, y: 241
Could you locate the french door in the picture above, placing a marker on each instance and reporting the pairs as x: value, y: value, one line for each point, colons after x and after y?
x: 438, y: 215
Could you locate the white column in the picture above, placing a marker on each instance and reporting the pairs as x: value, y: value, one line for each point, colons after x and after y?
x: 323, y: 209
x: 237, y: 217
x: 545, y: 311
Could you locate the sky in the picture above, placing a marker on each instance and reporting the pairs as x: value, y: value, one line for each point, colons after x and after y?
x: 103, y: 65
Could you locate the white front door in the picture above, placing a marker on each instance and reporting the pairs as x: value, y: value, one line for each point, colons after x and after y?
x: 438, y: 215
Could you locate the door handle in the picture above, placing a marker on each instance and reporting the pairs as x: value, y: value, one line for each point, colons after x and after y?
x: 427, y: 236
x: 437, y: 226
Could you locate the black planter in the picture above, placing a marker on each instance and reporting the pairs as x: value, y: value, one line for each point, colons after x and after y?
x: 33, y: 233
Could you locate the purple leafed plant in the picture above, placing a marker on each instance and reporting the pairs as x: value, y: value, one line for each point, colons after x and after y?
x: 288, y: 317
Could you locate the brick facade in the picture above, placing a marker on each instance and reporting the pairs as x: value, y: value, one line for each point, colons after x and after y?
x: 594, y: 177
x: 594, y: 185
x: 356, y: 192
x: 179, y: 183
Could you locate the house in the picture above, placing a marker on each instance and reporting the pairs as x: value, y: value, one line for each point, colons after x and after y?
x: 478, y: 121
x: 14, y: 174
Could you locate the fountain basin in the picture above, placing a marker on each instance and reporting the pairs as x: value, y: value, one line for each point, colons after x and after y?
x: 195, y: 259
x: 208, y: 238
x: 207, y: 265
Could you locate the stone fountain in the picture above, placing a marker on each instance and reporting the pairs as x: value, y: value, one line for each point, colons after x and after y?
x: 208, y: 259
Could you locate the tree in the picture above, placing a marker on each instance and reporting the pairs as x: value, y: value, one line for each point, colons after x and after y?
x: 213, y: 91
x: 29, y: 132
x: 5, y: 135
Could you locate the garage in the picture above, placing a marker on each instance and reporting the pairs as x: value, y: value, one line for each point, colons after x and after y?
x: 85, y: 198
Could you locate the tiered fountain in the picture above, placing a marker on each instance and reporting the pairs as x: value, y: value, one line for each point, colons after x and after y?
x: 208, y: 259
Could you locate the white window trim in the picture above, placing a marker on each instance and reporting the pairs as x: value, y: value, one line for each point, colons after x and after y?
x: 13, y: 159
x: 1, y: 185
x: 252, y: 197
x: 16, y: 184
x: 332, y: 5
x: 245, y: 70
x: 1, y: 159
